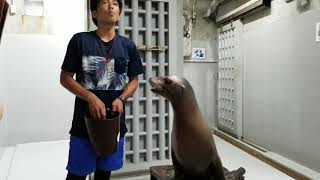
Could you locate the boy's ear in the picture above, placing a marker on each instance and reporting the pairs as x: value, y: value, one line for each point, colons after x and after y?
x: 94, y: 14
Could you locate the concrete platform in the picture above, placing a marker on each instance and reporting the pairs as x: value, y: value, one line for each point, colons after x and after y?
x: 38, y: 161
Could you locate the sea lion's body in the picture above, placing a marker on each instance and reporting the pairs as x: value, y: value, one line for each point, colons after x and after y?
x: 194, y: 154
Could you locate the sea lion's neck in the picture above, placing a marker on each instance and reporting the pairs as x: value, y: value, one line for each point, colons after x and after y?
x: 185, y: 106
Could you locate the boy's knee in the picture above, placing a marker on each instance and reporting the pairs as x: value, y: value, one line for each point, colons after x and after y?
x: 75, y: 177
x: 101, y: 175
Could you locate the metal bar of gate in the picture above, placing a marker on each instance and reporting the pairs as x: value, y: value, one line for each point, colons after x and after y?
x: 121, y: 23
x: 135, y: 103
x: 121, y: 32
x: 161, y: 122
x: 148, y: 75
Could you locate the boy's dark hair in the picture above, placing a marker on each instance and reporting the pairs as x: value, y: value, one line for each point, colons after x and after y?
x: 94, y: 5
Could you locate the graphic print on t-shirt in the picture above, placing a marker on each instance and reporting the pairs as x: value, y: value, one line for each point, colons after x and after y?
x: 99, y: 74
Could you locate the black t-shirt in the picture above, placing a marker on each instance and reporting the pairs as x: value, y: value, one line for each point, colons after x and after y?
x: 103, y: 72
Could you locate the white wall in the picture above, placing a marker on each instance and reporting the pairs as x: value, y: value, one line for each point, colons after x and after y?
x: 281, y: 81
x: 39, y: 108
x: 61, y: 17
x: 3, y: 137
x: 3, y: 101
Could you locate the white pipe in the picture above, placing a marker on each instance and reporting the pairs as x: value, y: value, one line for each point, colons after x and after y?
x: 13, y: 7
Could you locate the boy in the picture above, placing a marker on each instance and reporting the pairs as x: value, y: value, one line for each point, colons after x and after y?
x: 102, y: 60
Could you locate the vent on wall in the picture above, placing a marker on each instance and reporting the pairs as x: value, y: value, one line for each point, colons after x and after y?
x: 233, y: 10
x: 230, y: 79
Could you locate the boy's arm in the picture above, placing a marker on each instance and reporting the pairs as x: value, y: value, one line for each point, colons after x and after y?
x: 96, y: 106
x: 131, y: 87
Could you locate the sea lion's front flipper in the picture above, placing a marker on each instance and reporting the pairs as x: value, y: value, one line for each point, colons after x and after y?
x: 178, y: 170
x: 217, y: 170
x: 235, y: 174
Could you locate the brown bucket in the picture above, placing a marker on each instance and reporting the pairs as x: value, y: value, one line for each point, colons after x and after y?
x: 104, y: 133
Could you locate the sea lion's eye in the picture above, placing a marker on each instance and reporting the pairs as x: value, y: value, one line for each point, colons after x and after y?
x: 167, y: 80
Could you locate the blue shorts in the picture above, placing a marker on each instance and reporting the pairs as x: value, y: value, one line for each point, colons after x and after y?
x: 83, y: 160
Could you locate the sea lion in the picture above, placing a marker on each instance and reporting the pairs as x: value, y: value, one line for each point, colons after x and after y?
x: 194, y: 154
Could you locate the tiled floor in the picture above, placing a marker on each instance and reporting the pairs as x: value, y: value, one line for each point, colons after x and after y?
x: 38, y: 161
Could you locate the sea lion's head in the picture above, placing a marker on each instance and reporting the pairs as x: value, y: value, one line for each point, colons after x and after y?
x: 170, y: 87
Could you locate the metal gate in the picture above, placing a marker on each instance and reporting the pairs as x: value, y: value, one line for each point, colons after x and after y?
x: 230, y: 79
x: 146, y: 22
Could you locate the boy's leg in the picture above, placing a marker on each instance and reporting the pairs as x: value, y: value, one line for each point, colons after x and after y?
x: 101, y: 175
x: 74, y: 177
x: 82, y: 158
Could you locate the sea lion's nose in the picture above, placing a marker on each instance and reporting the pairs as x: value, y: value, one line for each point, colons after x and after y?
x: 152, y: 79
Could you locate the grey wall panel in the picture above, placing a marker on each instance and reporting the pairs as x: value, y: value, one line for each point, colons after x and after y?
x: 281, y: 88
x: 202, y: 77
x: 176, y: 48
x: 204, y: 31
x: 200, y: 73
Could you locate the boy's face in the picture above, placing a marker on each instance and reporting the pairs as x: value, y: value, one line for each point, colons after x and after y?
x: 108, y: 12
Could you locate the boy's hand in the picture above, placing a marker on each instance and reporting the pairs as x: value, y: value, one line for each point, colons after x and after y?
x: 97, y: 108
x: 117, y: 105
